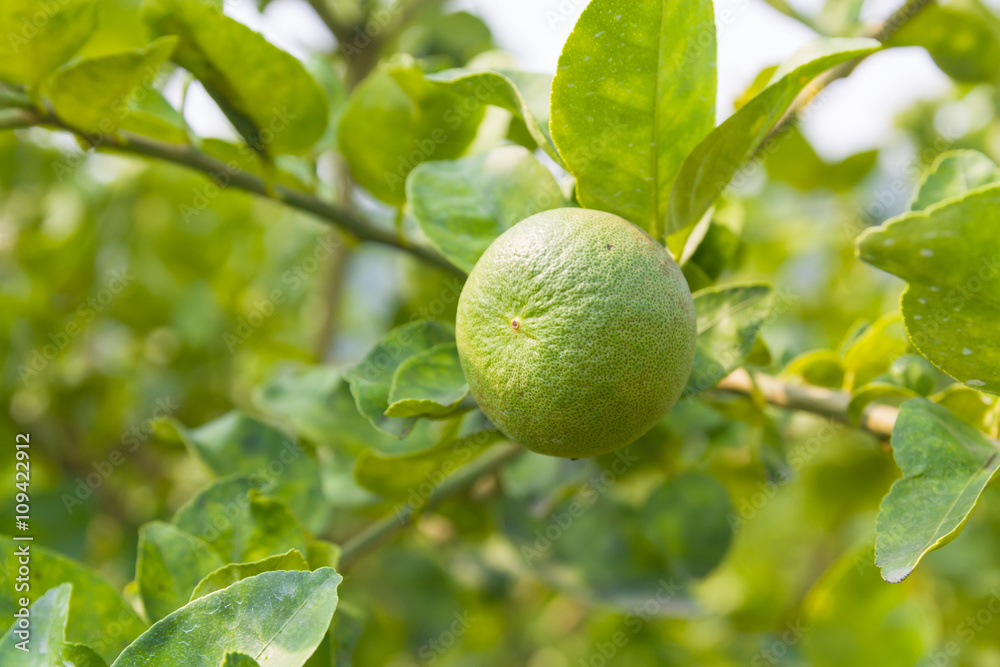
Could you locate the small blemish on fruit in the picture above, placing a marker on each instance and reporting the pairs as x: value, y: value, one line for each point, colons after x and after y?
x: 515, y: 325
x: 609, y: 246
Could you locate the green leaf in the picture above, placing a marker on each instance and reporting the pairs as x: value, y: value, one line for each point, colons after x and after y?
x: 94, y: 94
x: 462, y: 206
x: 266, y: 93
x: 47, y: 631
x: 371, y: 379
x: 427, y: 122
x: 78, y: 655
x: 964, y: 44
x: 278, y: 618
x: 170, y: 564
x: 94, y: 605
x: 344, y: 633
x: 876, y: 391
x: 969, y: 405
x: 150, y: 115
x: 228, y: 575
x: 428, y: 383
x: 872, y: 351
x: 712, y: 246
x: 688, y: 520
x: 711, y: 166
x: 29, y: 52
x: 794, y: 161
x: 728, y: 321
x: 235, y: 659
x: 953, y: 174
x: 633, y: 94
x: 524, y: 94
x: 946, y: 465
x: 416, y: 475
x: 888, y: 626
x: 948, y: 255
x: 236, y: 443
x: 821, y: 368
x: 239, y: 523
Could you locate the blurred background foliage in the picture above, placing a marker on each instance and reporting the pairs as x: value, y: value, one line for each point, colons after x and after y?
x: 739, y: 534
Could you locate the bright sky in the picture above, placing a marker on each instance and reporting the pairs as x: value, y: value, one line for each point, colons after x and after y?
x: 856, y: 114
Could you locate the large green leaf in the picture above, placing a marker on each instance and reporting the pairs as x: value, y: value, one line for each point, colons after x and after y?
x: 228, y: 575
x: 396, y: 119
x: 948, y: 255
x: 464, y: 205
x: 633, y: 95
x: 170, y: 564
x: 728, y: 321
x: 44, y: 645
x: 416, y: 475
x: 428, y: 383
x: 277, y: 618
x: 236, y: 659
x: 946, y: 465
x: 79, y: 655
x: 953, y: 174
x: 94, y: 605
x: 236, y: 443
x: 239, y: 523
x: 266, y: 93
x: 371, y: 379
x: 964, y: 44
x: 524, y: 94
x: 688, y: 520
x: 711, y: 166
x: 94, y: 94
x: 38, y: 38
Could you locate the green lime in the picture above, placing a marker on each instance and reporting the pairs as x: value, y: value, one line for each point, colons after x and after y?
x: 576, y: 331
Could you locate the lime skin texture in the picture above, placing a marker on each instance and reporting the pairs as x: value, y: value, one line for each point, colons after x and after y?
x: 576, y: 331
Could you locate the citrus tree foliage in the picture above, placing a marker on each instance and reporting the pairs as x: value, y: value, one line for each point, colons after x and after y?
x: 231, y: 403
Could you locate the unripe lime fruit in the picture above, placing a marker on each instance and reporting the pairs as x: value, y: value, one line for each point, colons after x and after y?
x: 576, y: 331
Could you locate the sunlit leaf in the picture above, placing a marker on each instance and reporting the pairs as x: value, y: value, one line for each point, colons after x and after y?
x: 37, y: 39
x: 428, y: 122
x: 95, y: 94
x: 266, y: 93
x: 711, y: 166
x: 634, y: 93
x: 371, y: 380
x: 946, y: 465
x: 524, y: 94
x: 170, y: 564
x: 428, y: 383
x: 948, y: 254
x: 953, y: 174
x: 278, y: 618
x: 228, y: 575
x: 239, y: 523
x: 47, y: 626
x: 728, y: 321
x: 464, y: 205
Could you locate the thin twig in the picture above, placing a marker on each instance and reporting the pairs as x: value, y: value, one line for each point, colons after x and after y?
x: 189, y: 156
x: 388, y: 526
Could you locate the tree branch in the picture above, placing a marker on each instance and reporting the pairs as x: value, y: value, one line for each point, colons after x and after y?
x: 388, y: 526
x: 192, y: 158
